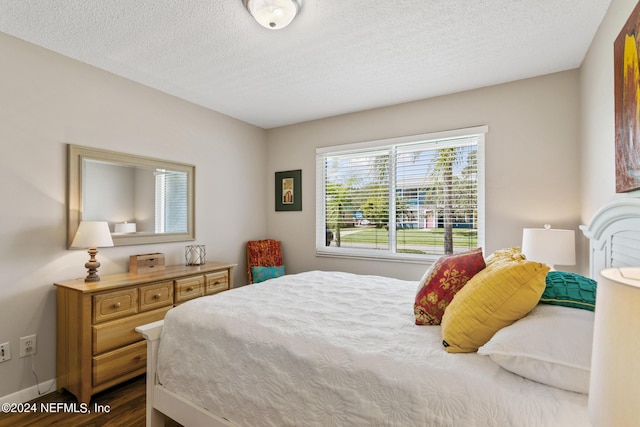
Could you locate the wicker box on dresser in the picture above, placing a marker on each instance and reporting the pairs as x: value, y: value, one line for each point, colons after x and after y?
x: 97, y: 346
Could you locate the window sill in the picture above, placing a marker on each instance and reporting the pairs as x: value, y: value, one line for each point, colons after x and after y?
x: 345, y: 253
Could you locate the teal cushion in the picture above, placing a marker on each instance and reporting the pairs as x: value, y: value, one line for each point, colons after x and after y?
x: 260, y: 274
x: 570, y: 290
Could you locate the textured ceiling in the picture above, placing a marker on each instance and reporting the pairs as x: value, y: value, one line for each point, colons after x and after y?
x: 338, y: 56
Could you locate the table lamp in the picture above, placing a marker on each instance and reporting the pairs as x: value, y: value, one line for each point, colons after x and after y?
x: 614, y: 388
x: 92, y: 235
x: 549, y: 246
x: 125, y: 227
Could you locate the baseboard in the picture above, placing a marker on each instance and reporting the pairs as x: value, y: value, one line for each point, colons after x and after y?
x: 30, y: 393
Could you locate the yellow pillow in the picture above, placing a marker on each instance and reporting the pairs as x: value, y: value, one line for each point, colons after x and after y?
x: 506, y: 254
x: 497, y: 296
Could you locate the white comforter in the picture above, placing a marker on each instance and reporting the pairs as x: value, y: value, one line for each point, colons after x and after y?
x: 337, y: 349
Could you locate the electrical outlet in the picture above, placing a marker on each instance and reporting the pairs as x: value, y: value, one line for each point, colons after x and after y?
x: 5, y: 352
x: 28, y: 345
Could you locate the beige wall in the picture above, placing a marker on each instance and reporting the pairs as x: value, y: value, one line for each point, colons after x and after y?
x: 532, y: 162
x: 597, y: 157
x: 48, y: 101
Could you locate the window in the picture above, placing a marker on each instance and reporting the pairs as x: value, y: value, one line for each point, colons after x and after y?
x: 171, y: 201
x: 415, y: 197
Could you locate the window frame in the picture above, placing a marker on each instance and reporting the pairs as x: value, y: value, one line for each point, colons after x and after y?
x: 478, y: 132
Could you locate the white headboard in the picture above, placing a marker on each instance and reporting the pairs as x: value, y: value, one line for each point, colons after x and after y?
x: 614, y: 234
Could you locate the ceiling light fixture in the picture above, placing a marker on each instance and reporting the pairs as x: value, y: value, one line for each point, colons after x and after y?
x: 272, y: 14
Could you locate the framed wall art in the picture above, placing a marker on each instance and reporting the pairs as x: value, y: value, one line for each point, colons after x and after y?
x: 627, y: 109
x: 289, y: 190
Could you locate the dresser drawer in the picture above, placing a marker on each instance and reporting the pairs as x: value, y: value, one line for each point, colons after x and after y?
x: 113, y: 305
x: 216, y: 282
x: 119, y: 362
x: 189, y: 287
x: 156, y: 295
x: 111, y: 335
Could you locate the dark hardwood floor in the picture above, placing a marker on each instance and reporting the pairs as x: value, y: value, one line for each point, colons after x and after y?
x: 126, y: 403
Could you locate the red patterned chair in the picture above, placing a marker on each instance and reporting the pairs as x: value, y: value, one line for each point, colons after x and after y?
x: 263, y: 253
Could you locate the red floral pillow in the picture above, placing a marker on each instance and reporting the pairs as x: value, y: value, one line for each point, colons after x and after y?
x: 442, y: 281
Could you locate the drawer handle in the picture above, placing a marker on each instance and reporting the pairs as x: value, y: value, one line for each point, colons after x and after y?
x: 117, y: 305
x: 190, y: 288
x: 217, y: 282
x: 157, y: 296
x: 137, y: 358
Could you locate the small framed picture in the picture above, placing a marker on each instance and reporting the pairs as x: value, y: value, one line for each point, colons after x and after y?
x: 289, y: 190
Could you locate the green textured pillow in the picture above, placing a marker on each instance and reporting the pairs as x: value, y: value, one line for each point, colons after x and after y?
x: 570, y: 290
x: 260, y: 274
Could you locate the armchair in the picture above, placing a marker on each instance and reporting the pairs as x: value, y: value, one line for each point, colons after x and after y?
x: 263, y: 253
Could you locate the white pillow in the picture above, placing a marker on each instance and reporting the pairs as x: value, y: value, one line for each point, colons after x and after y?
x: 550, y: 345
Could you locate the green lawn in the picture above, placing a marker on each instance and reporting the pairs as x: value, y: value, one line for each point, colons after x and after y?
x: 426, y: 237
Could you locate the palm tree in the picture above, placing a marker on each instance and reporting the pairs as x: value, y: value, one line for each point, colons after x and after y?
x: 443, y: 180
x: 444, y: 165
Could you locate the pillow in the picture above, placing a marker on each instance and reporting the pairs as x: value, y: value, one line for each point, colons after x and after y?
x: 494, y: 298
x: 260, y: 274
x: 551, y: 345
x: 570, y: 290
x: 440, y: 283
x: 506, y: 254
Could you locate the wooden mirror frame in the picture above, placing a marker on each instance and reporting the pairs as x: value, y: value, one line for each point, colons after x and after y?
x: 76, y: 155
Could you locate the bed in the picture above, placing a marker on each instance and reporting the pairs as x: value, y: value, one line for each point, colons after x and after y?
x: 333, y: 348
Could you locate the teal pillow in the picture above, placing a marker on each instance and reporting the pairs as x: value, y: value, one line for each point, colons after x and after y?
x: 570, y: 290
x: 260, y: 274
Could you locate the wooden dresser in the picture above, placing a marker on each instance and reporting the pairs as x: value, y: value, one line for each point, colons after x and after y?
x: 97, y: 346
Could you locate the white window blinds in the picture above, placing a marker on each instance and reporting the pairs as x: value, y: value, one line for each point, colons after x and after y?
x: 412, y: 197
x: 171, y: 202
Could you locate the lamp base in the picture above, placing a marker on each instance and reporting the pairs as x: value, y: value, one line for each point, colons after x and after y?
x: 92, y: 266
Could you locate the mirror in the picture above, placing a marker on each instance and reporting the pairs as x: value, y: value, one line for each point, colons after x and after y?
x: 144, y: 200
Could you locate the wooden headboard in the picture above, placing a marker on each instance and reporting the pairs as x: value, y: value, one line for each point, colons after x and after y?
x: 614, y: 234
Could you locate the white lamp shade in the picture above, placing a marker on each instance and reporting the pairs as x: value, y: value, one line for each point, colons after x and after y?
x: 614, y: 388
x: 92, y: 234
x: 549, y: 246
x: 273, y: 14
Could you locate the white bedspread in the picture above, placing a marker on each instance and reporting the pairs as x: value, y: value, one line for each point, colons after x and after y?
x: 337, y: 349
